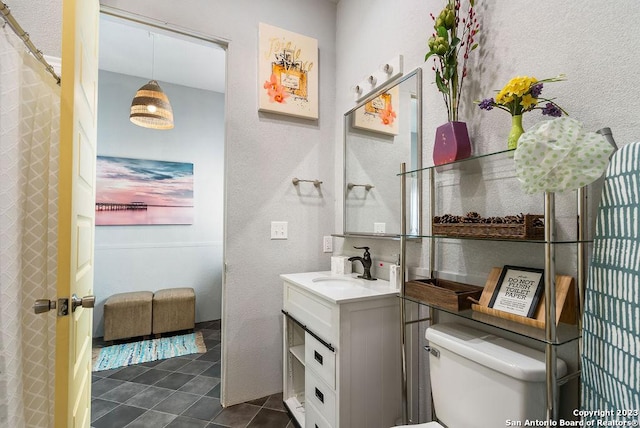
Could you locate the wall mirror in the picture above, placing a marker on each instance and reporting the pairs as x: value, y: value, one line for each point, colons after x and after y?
x: 380, y: 133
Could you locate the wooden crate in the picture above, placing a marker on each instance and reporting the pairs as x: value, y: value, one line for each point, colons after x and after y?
x: 442, y: 293
x: 526, y: 230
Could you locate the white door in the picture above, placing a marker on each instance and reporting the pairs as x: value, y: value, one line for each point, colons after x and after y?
x: 78, y: 117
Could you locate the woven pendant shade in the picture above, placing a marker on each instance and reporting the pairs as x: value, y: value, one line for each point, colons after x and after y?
x: 150, y: 107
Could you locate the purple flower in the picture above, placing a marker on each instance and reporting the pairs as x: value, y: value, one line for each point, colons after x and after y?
x: 550, y: 109
x: 487, y: 104
x: 536, y: 90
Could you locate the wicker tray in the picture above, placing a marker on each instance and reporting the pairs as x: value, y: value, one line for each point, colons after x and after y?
x: 442, y: 293
x: 525, y: 230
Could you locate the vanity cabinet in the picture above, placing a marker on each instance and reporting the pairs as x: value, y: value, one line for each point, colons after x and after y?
x: 341, y: 359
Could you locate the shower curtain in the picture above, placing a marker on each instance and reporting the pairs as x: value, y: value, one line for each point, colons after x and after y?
x: 29, y: 124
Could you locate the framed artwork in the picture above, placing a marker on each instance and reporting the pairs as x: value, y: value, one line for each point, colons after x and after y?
x: 141, y: 191
x: 380, y: 114
x: 518, y: 290
x: 287, y: 72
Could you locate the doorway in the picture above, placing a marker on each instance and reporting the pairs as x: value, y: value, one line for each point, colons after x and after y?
x: 191, y: 71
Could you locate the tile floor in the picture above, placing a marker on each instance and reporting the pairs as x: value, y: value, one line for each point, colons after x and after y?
x: 181, y: 392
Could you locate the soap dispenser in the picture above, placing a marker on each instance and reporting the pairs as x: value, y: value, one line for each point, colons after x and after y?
x: 394, y: 275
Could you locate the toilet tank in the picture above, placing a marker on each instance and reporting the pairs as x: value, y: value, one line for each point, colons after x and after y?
x: 480, y: 380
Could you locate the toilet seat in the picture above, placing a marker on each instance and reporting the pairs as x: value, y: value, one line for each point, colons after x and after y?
x: 425, y: 425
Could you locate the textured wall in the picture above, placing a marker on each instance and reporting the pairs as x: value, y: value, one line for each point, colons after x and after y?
x: 517, y: 38
x: 42, y: 19
x: 149, y: 258
x: 263, y: 153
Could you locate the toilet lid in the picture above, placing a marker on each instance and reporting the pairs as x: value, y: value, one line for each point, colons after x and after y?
x: 427, y: 425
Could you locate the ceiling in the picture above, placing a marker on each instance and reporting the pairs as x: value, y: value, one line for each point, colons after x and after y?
x: 135, y: 49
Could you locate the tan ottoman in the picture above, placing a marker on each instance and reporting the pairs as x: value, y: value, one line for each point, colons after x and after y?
x: 128, y: 315
x: 174, y: 309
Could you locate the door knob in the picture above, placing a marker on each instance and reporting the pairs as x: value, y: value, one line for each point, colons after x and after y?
x: 43, y: 305
x: 85, y: 302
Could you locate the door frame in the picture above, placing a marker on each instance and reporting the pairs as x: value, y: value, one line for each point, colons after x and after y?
x: 225, y: 45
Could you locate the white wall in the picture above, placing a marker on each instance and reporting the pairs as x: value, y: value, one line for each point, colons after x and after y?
x: 516, y: 38
x: 42, y: 19
x: 152, y: 257
x: 263, y: 153
x: 541, y: 39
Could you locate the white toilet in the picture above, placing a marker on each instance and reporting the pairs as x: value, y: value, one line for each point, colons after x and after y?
x: 480, y: 380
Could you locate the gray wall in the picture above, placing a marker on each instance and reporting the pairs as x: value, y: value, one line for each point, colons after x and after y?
x: 263, y: 153
x: 599, y: 75
x: 152, y: 257
x: 517, y: 38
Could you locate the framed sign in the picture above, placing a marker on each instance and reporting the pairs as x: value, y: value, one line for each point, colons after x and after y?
x: 518, y: 290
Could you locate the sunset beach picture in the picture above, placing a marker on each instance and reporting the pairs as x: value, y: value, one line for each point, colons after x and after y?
x: 141, y: 191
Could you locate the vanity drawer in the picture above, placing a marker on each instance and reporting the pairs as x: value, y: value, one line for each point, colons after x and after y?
x: 313, y: 418
x: 320, y: 359
x: 316, y: 314
x: 321, y: 396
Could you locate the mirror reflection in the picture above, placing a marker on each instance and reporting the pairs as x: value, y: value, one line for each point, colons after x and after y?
x: 379, y: 134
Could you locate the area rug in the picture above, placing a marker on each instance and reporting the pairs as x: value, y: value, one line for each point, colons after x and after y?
x: 112, y: 357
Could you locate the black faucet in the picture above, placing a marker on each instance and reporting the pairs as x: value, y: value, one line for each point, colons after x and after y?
x: 366, y: 263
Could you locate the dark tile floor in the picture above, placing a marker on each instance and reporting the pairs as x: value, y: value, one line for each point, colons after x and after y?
x: 181, y: 392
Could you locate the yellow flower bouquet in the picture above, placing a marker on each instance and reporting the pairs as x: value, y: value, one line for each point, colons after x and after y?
x: 520, y: 95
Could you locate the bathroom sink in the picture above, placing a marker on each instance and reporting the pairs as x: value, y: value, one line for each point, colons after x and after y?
x: 340, y: 288
x: 337, y: 279
x: 336, y: 282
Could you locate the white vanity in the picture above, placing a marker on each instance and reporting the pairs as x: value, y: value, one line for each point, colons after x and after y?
x: 342, y: 360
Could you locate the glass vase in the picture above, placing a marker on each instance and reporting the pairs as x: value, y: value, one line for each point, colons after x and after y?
x: 516, y: 131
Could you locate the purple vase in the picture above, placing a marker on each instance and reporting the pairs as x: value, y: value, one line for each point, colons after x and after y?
x: 452, y: 143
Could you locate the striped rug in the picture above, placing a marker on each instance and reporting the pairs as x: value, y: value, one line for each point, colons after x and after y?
x: 111, y: 357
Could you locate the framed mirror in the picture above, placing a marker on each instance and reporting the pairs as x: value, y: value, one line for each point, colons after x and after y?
x: 380, y: 133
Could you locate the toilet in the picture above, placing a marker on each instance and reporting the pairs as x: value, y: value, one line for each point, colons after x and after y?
x: 480, y: 380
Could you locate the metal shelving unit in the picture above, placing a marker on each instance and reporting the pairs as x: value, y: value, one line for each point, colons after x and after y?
x: 552, y: 336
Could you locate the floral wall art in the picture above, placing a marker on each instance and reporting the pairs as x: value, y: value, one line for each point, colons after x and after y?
x: 287, y: 73
x: 380, y: 114
x: 141, y: 191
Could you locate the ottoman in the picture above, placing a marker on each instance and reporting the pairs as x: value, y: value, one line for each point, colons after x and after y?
x: 174, y: 309
x: 127, y: 315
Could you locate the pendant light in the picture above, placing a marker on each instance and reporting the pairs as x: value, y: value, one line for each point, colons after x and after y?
x: 150, y: 107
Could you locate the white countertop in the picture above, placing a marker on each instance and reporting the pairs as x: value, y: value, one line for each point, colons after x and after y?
x: 340, y: 288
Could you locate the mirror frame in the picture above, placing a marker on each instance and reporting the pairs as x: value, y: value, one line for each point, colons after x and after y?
x: 414, y: 224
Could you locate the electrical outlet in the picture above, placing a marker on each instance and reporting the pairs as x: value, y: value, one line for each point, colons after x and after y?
x: 279, y: 230
x: 327, y: 244
x: 379, y: 227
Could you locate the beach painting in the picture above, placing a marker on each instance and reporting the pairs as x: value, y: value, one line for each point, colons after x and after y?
x: 143, y: 192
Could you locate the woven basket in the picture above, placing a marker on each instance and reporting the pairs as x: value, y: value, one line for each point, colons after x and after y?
x: 524, y: 230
